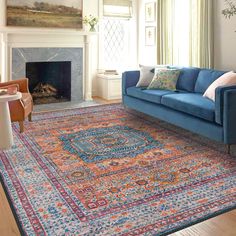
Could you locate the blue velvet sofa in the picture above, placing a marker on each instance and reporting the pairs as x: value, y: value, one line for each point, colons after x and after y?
x: 186, y: 107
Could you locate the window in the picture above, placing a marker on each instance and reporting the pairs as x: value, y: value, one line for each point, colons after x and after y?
x: 115, y: 40
x: 115, y: 34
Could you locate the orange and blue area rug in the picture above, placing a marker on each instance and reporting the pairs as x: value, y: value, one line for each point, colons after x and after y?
x: 107, y: 170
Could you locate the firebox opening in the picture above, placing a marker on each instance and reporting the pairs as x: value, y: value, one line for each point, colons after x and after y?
x: 49, y: 82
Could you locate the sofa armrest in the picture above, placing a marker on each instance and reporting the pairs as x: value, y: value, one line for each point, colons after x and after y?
x: 219, y: 102
x: 22, y: 83
x: 229, y: 116
x: 129, y: 79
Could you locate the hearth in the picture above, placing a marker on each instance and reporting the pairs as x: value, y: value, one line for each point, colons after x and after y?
x: 49, y: 82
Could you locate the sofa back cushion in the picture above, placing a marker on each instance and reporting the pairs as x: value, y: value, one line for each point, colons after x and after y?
x: 205, y: 78
x: 227, y: 79
x: 187, y: 79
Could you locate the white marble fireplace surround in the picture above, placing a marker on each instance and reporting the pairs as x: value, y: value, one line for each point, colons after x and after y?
x: 14, y: 40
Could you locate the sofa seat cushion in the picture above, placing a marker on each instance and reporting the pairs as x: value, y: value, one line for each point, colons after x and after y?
x: 148, y: 95
x: 191, y: 103
x: 26, y: 98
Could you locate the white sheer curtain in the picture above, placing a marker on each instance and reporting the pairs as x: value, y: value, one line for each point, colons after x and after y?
x: 201, y: 33
x: 185, y: 30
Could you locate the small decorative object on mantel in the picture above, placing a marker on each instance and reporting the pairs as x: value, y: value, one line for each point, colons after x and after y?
x: 91, y: 21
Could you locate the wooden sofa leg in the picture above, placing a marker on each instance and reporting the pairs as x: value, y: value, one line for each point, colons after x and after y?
x: 21, y: 123
x: 30, y: 117
x: 228, y: 148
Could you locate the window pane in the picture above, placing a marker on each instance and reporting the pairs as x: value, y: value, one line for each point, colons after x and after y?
x: 115, y: 43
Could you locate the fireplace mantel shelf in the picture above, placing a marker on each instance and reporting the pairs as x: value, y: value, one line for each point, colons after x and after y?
x: 47, y: 31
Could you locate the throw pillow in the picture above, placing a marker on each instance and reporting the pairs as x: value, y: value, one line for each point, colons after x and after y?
x: 146, y: 75
x: 165, y: 79
x: 227, y: 79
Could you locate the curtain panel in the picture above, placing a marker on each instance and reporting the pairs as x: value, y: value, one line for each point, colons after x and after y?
x: 185, y: 32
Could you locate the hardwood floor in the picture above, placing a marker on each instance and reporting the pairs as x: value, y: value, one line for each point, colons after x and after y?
x: 8, y: 226
x: 222, y: 225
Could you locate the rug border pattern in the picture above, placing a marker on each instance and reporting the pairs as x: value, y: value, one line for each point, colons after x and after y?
x: 79, y: 213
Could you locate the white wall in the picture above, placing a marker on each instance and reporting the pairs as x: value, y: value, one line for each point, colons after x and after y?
x: 224, y: 39
x: 2, y: 12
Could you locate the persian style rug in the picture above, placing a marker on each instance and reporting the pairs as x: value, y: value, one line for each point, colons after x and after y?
x: 107, y: 170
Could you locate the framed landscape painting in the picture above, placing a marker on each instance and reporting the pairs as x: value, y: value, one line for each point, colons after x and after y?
x: 44, y: 13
